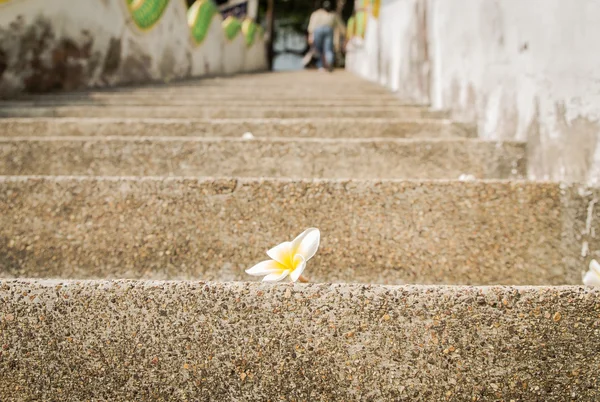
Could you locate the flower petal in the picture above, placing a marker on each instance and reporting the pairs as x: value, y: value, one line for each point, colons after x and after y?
x: 265, y: 268
x: 282, y: 253
x: 300, y: 264
x: 595, y: 266
x: 307, y: 243
x: 591, y: 278
x: 276, y: 277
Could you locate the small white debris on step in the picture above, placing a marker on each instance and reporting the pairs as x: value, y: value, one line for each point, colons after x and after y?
x: 466, y: 177
x: 248, y: 136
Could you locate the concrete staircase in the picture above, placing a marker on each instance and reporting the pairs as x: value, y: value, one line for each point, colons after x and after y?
x: 128, y: 216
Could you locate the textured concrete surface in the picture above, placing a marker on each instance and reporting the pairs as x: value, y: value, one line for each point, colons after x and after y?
x: 293, y: 86
x: 303, y: 90
x: 125, y: 341
x: 223, y: 112
x: 551, y: 102
x: 398, y: 51
x: 322, y: 127
x: 387, y: 232
x: 200, y: 100
x: 506, y: 77
x: 305, y: 79
x: 296, y: 158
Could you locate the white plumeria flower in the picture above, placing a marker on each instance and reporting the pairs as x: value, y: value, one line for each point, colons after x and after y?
x: 288, y: 258
x: 592, y: 277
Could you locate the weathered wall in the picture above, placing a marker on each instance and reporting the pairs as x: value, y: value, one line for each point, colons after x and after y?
x: 528, y: 73
x: 77, y: 44
x: 522, y: 71
x: 394, y: 49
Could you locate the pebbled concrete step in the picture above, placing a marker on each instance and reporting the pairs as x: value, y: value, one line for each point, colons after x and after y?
x: 284, y: 78
x: 302, y: 85
x: 321, y: 127
x: 191, y: 94
x: 289, y: 86
x: 223, y: 112
x: 388, y: 232
x: 203, y: 100
x: 205, y: 341
x: 296, y: 158
x: 238, y: 90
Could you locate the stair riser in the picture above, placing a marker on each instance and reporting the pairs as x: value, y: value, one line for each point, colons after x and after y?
x: 219, y: 113
x: 320, y: 128
x: 372, y: 231
x: 125, y: 341
x: 300, y: 88
x: 167, y: 156
x: 157, y: 100
x: 236, y: 94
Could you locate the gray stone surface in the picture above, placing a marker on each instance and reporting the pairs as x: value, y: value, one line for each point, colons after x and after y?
x: 222, y: 112
x: 320, y: 128
x: 125, y: 341
x: 295, y: 158
x: 388, y: 232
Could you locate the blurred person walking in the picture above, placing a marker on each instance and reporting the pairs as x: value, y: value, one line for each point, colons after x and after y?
x: 321, y: 27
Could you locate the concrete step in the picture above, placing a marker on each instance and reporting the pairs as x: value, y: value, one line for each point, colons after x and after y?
x: 301, y: 87
x: 287, y: 86
x: 223, y: 112
x: 308, y: 78
x: 200, y: 95
x: 295, y: 158
x: 289, y: 92
x: 202, y: 100
x: 321, y: 127
x: 388, y: 232
x: 130, y: 341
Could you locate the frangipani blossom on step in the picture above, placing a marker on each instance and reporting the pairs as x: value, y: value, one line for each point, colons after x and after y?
x: 592, y: 277
x: 288, y: 258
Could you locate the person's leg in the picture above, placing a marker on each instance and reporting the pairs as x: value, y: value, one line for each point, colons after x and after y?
x: 318, y: 43
x: 328, y: 49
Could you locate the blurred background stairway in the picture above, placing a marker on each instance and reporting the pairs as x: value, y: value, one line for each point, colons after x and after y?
x: 195, y: 180
x: 114, y: 184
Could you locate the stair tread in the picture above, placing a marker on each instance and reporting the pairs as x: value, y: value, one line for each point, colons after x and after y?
x: 379, y: 231
x: 272, y: 157
x: 274, y: 127
x: 252, y: 341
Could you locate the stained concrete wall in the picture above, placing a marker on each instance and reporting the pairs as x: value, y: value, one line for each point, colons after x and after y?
x: 85, y: 43
x: 524, y: 71
x: 394, y: 50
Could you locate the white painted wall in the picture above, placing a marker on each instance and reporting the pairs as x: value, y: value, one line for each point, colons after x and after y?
x: 528, y: 71
x: 234, y: 54
x: 207, y: 57
x: 255, y: 56
x: 525, y: 70
x: 93, y: 28
x: 394, y: 50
